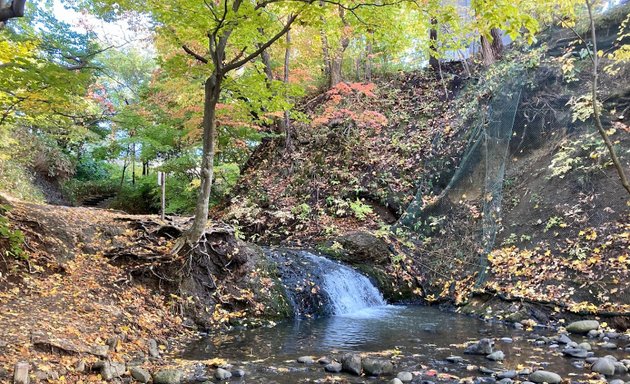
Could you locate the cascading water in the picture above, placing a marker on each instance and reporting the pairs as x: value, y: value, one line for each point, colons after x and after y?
x: 318, y: 286
x: 348, y: 290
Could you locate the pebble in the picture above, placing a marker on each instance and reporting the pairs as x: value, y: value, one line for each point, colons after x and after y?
x: 585, y: 346
x: 305, y: 360
x: 506, y: 339
x: 395, y: 381
x: 333, y: 367
x: 222, y: 374
x: 609, y: 346
x: 506, y: 381
x: 563, y: 339
x: 496, y: 356
x: 140, y: 374
x: 404, y: 376
x: 545, y: 377
x: 575, y: 352
x: 454, y: 359
x: 324, y: 360
x: 238, y: 373
x: 506, y: 374
x: 485, y: 370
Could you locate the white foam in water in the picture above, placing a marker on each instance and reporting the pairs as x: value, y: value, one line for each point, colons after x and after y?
x: 348, y: 290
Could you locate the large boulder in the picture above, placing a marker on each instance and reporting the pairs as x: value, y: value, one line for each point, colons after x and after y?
x: 583, y: 326
x: 351, y: 363
x: 111, y: 370
x: 377, y: 367
x: 362, y: 248
x: 545, y: 377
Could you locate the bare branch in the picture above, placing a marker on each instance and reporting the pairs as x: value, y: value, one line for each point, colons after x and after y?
x: 194, y: 54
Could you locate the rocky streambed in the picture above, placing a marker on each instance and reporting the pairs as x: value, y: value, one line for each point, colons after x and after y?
x: 414, y: 344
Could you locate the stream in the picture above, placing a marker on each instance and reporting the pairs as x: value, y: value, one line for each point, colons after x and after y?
x: 421, y: 338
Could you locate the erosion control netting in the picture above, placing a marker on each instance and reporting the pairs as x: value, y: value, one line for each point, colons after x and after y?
x: 481, y: 171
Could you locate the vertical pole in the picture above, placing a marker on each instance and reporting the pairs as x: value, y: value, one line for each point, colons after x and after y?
x: 163, y: 185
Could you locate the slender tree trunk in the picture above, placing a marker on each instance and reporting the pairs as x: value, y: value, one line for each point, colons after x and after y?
x: 336, y: 65
x: 368, y: 57
x: 287, y: 121
x: 433, y: 46
x: 266, y: 59
x: 211, y: 98
x: 133, y: 164
x: 325, y: 52
x: 596, y: 111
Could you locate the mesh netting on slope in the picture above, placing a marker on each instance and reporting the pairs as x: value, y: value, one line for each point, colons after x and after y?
x: 482, y: 168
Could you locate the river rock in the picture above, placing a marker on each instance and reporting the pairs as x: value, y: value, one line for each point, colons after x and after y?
x: 404, y: 376
x: 620, y: 369
x: 324, y: 360
x: 222, y: 374
x: 305, y: 360
x: 333, y: 367
x: 505, y: 381
x: 563, y: 339
x: 351, y: 363
x: 238, y: 373
x: 576, y: 352
x: 454, y: 359
x: 377, y: 367
x: 485, y: 370
x: 609, y: 346
x: 585, y: 346
x: 395, y: 381
x: 496, y: 356
x: 605, y: 366
x: 506, y: 374
x: 545, y: 377
x: 140, y: 374
x: 168, y: 376
x: 482, y: 347
x: 506, y: 340
x: 583, y: 326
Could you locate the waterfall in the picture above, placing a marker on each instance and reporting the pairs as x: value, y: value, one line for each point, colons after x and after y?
x: 348, y: 291
x: 318, y: 286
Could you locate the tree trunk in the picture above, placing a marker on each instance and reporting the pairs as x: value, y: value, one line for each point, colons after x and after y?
x: 596, y: 110
x: 336, y: 64
x: 133, y: 164
x: 491, y: 50
x: 433, y: 35
x: 287, y: 122
x: 368, y: 57
x: 211, y: 98
x: 266, y: 59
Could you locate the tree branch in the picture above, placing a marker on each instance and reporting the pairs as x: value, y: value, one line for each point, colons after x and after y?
x: 233, y: 64
x: 194, y: 54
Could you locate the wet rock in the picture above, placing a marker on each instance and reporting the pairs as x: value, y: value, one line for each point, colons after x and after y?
x: 605, y: 366
x: 518, y: 326
x: 545, y: 377
x: 579, y: 364
x: 363, y: 247
x: 575, y: 352
x: 404, y: 376
x: 238, y: 373
x: 593, y: 333
x: 324, y: 360
x: 612, y: 335
x: 168, y: 376
x: 485, y: 370
x: 482, y: 347
x: 563, y: 339
x: 454, y: 359
x: 140, y: 374
x: 154, y: 351
x: 485, y: 380
x: 395, y: 381
x: 609, y: 346
x: 351, y: 363
x: 506, y: 340
x: 333, y: 367
x: 616, y: 381
x: 506, y: 381
x: 554, y: 346
x: 305, y: 360
x: 585, y: 346
x: 583, y: 326
x: 496, y: 356
x: 222, y: 374
x: 524, y: 372
x: 507, y: 374
x: 620, y: 369
x: 377, y: 367
x: 111, y: 370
